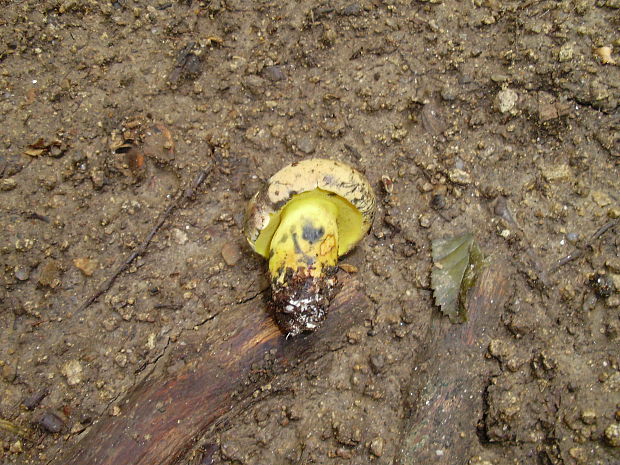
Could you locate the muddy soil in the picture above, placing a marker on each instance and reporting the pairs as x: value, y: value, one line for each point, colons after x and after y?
x: 497, y: 117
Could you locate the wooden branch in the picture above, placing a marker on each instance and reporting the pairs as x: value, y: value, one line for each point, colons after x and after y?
x: 446, y: 394
x: 161, y: 417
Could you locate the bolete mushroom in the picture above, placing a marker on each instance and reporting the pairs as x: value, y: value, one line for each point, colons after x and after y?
x: 306, y: 216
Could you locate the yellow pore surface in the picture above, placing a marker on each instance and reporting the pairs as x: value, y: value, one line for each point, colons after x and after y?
x: 348, y: 220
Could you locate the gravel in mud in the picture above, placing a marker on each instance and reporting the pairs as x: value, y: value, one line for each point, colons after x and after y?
x: 501, y: 118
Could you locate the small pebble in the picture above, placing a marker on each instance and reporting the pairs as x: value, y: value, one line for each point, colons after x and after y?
x: 34, y: 399
x: 588, y: 417
x: 578, y: 453
x: 352, y: 10
x: 72, y: 370
x: 604, y: 54
x: 306, y: 145
x: 556, y: 173
x: 231, y: 253
x: 502, y: 210
x: 601, y: 198
x: 355, y: 335
x: 602, y: 284
x: 477, y: 460
x: 16, y: 447
x: 77, y: 428
x: 180, y: 237
x: 566, y: 52
x: 588, y: 303
x: 254, y: 84
x: 294, y: 412
x: 499, y: 77
x: 377, y: 362
x: 506, y: 100
x: 377, y: 446
x: 7, y: 184
x: 458, y: 176
x: 22, y: 273
x: 438, y: 202
x: 426, y: 187
x: 50, y: 274
x: 613, y: 263
x: 388, y: 184
x: 51, y: 422
x: 501, y: 350
x: 344, y: 453
x: 121, y: 360
x: 448, y: 93
x: 612, y: 435
x: 9, y: 371
x: 274, y: 73
x: 86, y: 265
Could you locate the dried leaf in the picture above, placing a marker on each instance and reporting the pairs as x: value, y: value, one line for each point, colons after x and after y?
x: 34, y: 152
x: 457, y: 262
x: 214, y: 39
x: 135, y: 159
x: 42, y: 147
x: 347, y: 267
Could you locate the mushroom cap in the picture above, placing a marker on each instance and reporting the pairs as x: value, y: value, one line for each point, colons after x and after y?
x: 345, y: 186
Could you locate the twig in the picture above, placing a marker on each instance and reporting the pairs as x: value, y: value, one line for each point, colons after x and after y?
x: 577, y: 253
x: 602, y: 230
x: 178, y: 201
x: 574, y: 255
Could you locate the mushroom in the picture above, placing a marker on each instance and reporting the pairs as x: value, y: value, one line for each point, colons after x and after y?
x: 307, y: 215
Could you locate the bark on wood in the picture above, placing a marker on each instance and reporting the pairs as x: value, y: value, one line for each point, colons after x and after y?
x: 160, y: 418
x: 445, y: 398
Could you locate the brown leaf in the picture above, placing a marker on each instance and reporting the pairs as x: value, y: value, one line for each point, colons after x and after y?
x: 34, y: 152
x: 135, y: 159
x: 348, y: 268
x: 42, y: 147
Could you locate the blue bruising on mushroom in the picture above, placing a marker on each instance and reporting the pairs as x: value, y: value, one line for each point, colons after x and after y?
x: 312, y: 234
x: 307, y: 259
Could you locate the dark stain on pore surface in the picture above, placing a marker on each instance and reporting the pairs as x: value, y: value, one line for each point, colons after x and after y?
x: 312, y: 234
x: 307, y: 259
x: 296, y: 243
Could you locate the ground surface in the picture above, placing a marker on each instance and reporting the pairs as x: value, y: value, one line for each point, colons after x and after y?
x: 498, y: 117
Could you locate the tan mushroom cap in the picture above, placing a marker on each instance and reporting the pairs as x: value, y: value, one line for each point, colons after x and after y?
x: 354, y: 198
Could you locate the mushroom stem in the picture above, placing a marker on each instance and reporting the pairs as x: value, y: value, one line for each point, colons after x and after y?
x: 302, y: 264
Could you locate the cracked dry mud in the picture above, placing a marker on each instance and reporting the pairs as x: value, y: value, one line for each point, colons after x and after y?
x: 500, y: 118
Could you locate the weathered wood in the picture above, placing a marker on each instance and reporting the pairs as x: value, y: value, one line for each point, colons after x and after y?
x: 160, y: 418
x: 445, y: 397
